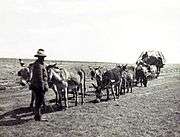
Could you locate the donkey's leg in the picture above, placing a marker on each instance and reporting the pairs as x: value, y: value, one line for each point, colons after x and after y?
x: 108, y: 98
x: 116, y: 90
x: 113, y: 92
x: 124, y: 86
x: 141, y: 81
x: 66, y: 97
x: 120, y: 87
x: 127, y: 86
x: 75, y: 92
x: 138, y: 80
x: 145, y: 82
x: 60, y: 98
x: 82, y: 94
x: 84, y: 88
x: 54, y: 87
x: 76, y: 95
x: 120, y: 91
x: 158, y: 71
x: 131, y: 85
x: 124, y: 89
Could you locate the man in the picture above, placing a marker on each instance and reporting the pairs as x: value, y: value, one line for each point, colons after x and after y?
x: 39, y: 82
x: 145, y: 56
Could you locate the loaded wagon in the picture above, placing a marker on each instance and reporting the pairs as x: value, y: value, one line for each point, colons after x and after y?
x: 153, y: 61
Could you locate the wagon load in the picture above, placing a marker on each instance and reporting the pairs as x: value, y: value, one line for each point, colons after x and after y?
x: 153, y: 60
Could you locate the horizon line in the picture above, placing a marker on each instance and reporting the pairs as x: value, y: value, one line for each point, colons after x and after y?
x: 77, y: 61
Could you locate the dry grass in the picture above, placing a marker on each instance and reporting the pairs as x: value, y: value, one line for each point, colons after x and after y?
x: 147, y: 112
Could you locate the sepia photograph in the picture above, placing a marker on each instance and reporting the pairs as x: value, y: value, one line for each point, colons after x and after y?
x: 90, y: 68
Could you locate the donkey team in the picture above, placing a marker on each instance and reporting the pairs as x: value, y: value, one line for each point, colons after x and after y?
x: 118, y: 80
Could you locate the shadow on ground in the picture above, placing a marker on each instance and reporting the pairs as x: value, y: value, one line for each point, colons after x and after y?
x: 22, y: 115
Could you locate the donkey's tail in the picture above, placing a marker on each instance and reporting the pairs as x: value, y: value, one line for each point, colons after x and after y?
x: 84, y: 81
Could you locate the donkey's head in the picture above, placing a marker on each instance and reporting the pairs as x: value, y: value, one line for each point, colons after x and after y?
x: 50, y: 71
x: 56, y: 74
x: 95, y: 73
x: 25, y: 74
x: 98, y: 92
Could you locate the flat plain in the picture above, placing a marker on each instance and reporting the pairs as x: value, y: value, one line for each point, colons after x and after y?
x: 147, y: 112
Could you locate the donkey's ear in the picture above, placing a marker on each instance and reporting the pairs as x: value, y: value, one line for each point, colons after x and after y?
x: 22, y: 63
x: 49, y: 66
x: 90, y: 67
x: 118, y: 65
x: 94, y: 86
x: 54, y: 65
x: 97, y: 67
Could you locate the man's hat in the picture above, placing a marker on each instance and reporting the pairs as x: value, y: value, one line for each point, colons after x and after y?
x: 40, y: 53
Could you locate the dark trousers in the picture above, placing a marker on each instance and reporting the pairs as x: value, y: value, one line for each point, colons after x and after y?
x: 39, y: 99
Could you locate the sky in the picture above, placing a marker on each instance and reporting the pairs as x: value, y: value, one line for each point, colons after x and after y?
x: 90, y: 30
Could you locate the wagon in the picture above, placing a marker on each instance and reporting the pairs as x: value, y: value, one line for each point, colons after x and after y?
x: 153, y: 60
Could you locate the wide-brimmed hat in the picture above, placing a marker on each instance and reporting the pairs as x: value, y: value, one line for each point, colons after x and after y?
x: 40, y: 53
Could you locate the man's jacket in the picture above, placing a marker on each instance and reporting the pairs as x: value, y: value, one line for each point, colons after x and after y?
x: 39, y: 79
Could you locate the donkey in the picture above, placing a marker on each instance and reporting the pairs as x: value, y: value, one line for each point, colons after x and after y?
x: 108, y: 79
x: 66, y: 81
x: 25, y: 74
x: 128, y: 76
x: 141, y: 75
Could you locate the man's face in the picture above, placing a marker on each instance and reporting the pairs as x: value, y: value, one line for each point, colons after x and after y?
x: 41, y: 59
